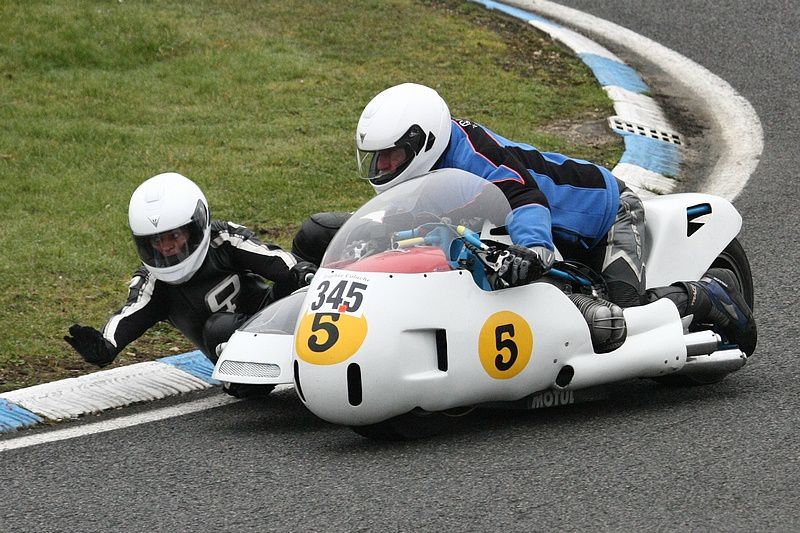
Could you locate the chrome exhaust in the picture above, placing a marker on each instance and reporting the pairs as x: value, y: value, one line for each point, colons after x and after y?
x: 701, y: 343
x: 703, y: 356
x: 721, y: 362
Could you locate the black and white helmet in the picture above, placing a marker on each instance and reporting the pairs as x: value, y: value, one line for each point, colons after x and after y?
x: 171, y: 224
x: 401, y: 134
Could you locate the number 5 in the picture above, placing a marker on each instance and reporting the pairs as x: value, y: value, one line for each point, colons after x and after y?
x: 507, y: 344
x: 330, y: 329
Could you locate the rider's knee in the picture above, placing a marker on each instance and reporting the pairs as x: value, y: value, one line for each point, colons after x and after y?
x: 315, y: 234
x: 217, y: 329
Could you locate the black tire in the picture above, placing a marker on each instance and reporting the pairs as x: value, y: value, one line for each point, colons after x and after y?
x: 733, y: 258
x: 245, y: 390
x: 416, y: 424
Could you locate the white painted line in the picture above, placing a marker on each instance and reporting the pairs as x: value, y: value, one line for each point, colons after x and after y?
x: 123, y: 421
x: 117, y: 423
x: 645, y: 183
x: 740, y: 132
x: 73, y: 397
x: 638, y: 108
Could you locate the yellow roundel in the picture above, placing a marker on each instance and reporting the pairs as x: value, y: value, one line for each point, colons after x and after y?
x: 505, y: 345
x: 329, y: 338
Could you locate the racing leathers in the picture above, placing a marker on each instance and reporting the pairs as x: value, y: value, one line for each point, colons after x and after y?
x: 559, y: 202
x: 228, y: 288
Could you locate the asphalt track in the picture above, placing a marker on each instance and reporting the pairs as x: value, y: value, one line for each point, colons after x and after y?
x: 719, y: 458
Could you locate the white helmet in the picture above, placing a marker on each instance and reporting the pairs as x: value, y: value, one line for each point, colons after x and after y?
x: 401, y: 134
x: 171, y: 226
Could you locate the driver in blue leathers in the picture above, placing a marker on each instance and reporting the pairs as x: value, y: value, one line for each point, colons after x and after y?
x: 579, y: 207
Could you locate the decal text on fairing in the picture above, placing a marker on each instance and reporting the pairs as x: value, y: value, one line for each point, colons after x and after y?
x: 551, y: 398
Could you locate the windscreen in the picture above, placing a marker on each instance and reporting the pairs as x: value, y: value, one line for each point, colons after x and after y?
x: 425, y: 212
x: 278, y: 317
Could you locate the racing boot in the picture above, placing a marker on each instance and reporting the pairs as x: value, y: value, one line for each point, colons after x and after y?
x: 605, y: 319
x: 715, y: 300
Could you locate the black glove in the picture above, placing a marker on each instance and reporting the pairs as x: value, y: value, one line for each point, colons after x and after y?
x: 521, y: 265
x: 302, y: 273
x: 91, y: 344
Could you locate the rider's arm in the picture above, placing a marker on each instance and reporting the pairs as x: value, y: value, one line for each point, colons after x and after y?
x: 141, y: 312
x: 474, y: 149
x: 245, y: 253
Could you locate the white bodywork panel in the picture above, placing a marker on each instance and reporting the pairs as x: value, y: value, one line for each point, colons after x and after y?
x: 256, y: 358
x: 671, y: 254
x: 398, y: 364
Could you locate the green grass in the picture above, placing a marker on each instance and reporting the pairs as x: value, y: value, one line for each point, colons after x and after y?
x: 255, y: 101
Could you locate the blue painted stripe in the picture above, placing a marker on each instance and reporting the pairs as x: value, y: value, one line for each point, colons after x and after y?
x: 194, y: 363
x: 613, y: 73
x: 12, y: 416
x: 514, y: 12
x: 656, y: 156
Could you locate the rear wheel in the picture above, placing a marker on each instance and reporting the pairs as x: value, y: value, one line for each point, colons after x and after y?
x: 733, y: 258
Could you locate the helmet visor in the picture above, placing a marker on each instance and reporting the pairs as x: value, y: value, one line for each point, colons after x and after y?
x: 172, y: 247
x: 382, y: 166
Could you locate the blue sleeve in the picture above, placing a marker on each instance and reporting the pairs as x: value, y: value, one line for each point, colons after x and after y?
x: 472, y: 148
x: 530, y: 225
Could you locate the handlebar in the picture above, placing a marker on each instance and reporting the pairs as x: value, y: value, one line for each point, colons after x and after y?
x: 415, y: 237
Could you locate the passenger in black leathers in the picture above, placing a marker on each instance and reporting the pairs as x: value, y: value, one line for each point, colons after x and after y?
x: 204, y: 277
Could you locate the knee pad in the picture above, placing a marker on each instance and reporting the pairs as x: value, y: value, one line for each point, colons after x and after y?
x: 315, y: 234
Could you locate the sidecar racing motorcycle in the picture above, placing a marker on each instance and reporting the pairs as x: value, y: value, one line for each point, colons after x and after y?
x: 407, y: 320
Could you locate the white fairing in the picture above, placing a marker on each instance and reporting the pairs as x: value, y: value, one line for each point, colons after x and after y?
x: 256, y: 359
x: 387, y: 328
x: 672, y: 254
x: 395, y: 320
x: 260, y: 352
x: 400, y: 367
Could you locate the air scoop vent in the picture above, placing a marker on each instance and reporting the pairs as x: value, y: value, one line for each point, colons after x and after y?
x: 256, y: 370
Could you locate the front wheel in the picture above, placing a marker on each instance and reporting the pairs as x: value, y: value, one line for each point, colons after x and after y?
x: 734, y: 259
x: 416, y: 424
x: 246, y: 390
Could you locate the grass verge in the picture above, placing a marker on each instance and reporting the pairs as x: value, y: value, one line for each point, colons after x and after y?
x: 255, y: 101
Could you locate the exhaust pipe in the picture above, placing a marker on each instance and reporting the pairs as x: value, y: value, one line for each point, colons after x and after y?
x: 721, y: 362
x: 701, y: 343
x: 703, y: 356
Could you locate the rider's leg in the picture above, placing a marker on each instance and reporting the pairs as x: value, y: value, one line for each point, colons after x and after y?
x: 620, y: 262
x: 315, y: 235
x: 714, y: 301
x: 622, y: 259
x: 218, y: 329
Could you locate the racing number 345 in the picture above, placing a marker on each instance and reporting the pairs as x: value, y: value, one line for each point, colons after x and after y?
x: 345, y: 296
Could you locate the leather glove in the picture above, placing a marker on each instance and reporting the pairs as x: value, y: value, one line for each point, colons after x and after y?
x: 91, y: 345
x: 522, y: 265
x: 302, y: 273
